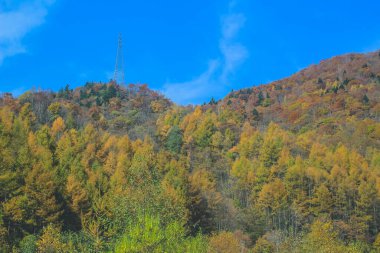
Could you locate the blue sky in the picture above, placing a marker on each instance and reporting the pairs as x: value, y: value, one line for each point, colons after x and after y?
x: 189, y: 50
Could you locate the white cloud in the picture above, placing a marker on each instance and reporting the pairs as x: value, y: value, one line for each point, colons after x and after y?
x: 231, y: 25
x: 16, y: 21
x: 215, y: 79
x: 192, y: 91
x: 234, y: 53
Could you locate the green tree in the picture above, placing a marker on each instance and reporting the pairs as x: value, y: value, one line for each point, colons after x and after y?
x: 174, y: 140
x: 148, y: 235
x: 260, y: 98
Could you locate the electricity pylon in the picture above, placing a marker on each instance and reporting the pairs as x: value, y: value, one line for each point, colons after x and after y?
x: 118, y: 75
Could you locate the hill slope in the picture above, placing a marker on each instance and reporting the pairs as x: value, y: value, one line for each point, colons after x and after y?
x: 292, y: 166
x: 346, y: 85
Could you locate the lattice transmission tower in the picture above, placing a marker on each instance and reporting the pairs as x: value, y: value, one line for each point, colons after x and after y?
x: 118, y: 75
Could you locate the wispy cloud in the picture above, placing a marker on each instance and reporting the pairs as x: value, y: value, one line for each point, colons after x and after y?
x: 215, y: 79
x: 234, y: 54
x: 16, y: 21
x: 194, y: 90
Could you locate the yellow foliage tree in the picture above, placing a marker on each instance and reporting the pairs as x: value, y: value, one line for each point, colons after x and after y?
x: 224, y: 242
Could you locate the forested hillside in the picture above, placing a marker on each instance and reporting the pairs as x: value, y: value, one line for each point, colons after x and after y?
x: 291, y: 166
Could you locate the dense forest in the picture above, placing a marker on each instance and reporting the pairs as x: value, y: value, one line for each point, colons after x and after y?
x: 291, y: 166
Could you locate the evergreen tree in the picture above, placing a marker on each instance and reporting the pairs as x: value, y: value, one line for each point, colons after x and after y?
x: 174, y: 140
